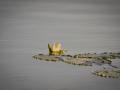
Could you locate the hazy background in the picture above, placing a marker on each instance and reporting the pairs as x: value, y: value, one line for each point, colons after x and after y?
x: 87, y: 25
x: 27, y: 26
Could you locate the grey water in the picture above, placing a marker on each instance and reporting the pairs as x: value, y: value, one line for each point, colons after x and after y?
x: 82, y: 26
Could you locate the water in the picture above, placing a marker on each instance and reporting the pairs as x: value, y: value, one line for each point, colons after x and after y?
x: 27, y: 27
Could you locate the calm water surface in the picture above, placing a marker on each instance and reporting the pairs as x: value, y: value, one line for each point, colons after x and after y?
x: 26, y: 27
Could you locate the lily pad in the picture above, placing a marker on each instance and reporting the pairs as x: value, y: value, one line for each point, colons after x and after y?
x: 108, y: 73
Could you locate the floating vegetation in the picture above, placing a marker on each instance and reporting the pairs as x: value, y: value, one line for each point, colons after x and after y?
x: 79, y: 59
x: 101, y: 60
x: 105, y: 55
x: 108, y: 73
x: 86, y: 60
x: 46, y: 57
x: 65, y: 58
x: 56, y: 53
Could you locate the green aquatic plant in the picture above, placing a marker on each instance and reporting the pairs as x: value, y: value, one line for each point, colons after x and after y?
x: 108, y: 73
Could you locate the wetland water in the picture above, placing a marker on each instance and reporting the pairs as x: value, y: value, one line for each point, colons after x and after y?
x: 27, y: 27
x: 20, y: 71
